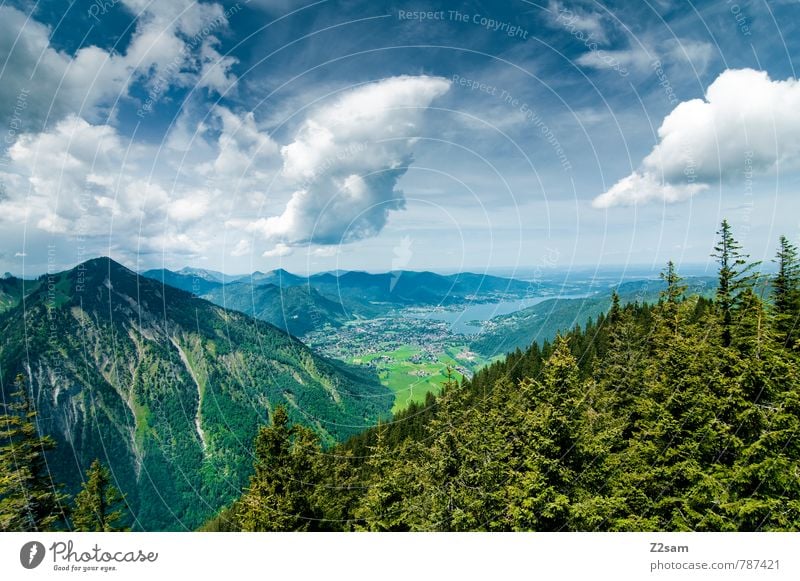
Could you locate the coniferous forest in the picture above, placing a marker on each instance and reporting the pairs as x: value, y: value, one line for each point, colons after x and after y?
x: 681, y: 415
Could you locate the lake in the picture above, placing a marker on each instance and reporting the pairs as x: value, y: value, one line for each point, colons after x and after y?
x: 462, y: 319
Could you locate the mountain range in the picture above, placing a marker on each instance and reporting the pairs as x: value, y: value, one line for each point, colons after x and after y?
x: 300, y: 304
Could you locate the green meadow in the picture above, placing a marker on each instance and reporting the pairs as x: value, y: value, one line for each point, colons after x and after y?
x: 411, y: 372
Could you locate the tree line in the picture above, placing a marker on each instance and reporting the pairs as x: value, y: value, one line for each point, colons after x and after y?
x: 682, y: 415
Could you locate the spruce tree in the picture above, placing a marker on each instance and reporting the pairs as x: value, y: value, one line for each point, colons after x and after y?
x: 442, y: 462
x: 615, y: 312
x: 735, y: 274
x: 269, y: 503
x: 306, y: 471
x: 470, y: 460
x: 786, y: 293
x: 539, y: 495
x: 98, y: 506
x: 671, y: 297
x: 29, y: 500
x: 765, y: 481
x: 339, y: 491
x: 381, y: 507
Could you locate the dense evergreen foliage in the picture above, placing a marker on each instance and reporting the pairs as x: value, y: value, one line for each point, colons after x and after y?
x: 678, y: 415
x: 787, y: 294
x: 29, y: 499
x: 99, y: 505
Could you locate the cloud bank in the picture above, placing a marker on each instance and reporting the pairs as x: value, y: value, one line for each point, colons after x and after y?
x: 747, y: 123
x: 340, y: 173
x: 173, y: 46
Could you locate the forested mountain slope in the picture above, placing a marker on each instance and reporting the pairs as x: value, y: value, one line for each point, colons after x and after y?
x: 167, y: 389
x: 297, y: 309
x: 543, y: 321
x: 12, y: 289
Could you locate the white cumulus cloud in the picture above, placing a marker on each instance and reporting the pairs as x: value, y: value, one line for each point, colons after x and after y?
x: 339, y: 174
x: 746, y: 123
x: 280, y: 250
x: 346, y: 160
x: 242, y: 146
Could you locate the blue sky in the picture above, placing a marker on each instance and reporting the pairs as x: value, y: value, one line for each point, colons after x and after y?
x: 386, y: 135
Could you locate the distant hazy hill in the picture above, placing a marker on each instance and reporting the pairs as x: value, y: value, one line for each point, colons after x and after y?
x: 278, y: 277
x: 544, y: 320
x: 416, y: 288
x: 166, y: 388
x: 297, y: 309
x: 191, y: 280
x: 12, y: 289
